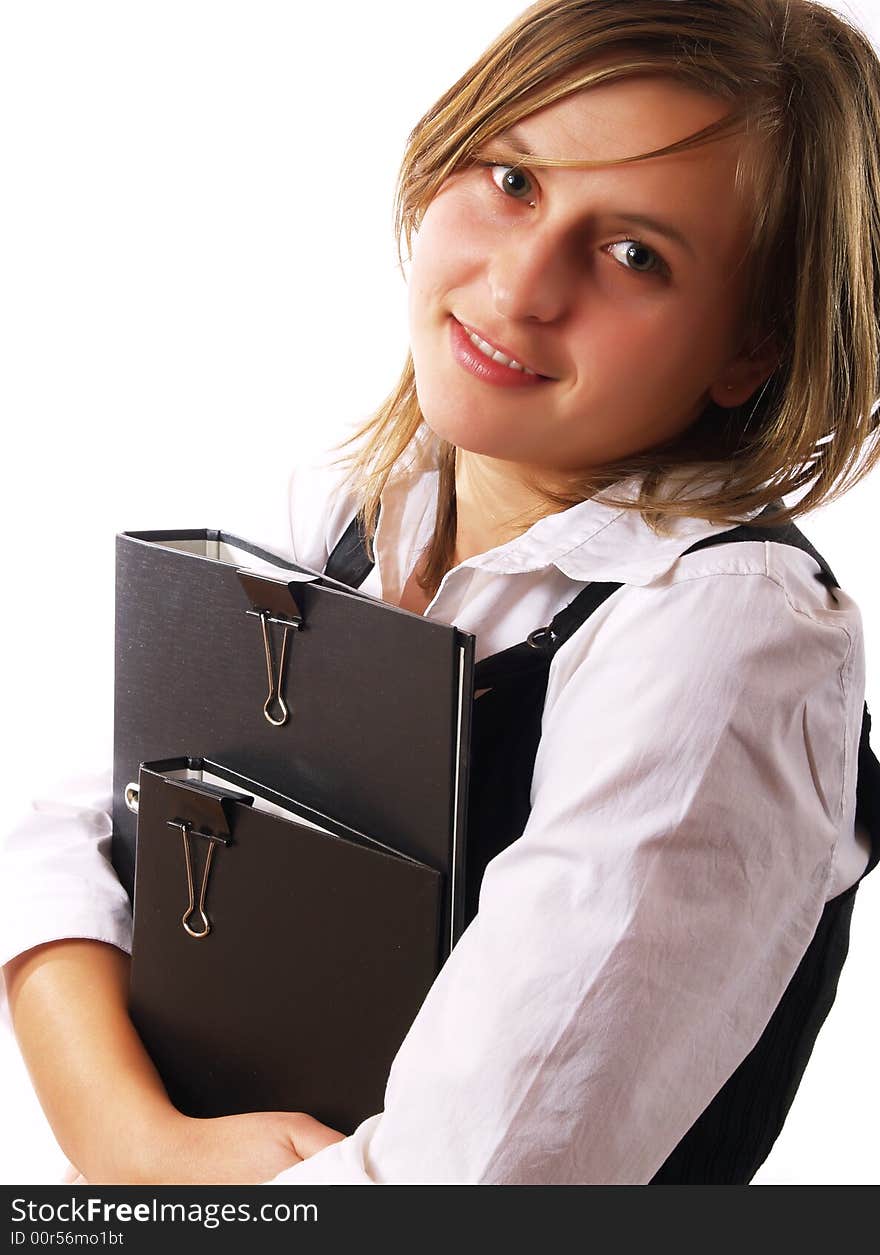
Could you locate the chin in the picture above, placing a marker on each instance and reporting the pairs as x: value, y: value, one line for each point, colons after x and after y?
x: 470, y: 433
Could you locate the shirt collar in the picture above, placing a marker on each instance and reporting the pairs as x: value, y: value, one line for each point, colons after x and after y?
x: 592, y: 541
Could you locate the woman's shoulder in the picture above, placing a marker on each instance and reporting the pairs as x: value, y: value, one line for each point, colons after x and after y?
x: 736, y: 655
x: 746, y: 605
x: 742, y: 633
x: 781, y: 573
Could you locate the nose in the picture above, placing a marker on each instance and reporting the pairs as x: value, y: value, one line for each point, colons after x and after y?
x: 530, y: 275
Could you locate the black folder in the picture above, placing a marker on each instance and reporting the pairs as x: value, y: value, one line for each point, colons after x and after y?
x: 277, y: 962
x: 374, y: 730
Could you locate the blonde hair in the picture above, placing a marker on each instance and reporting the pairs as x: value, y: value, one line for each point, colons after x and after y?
x: 805, y: 83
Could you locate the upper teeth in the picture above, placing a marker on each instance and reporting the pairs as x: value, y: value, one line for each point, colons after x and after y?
x: 495, y: 355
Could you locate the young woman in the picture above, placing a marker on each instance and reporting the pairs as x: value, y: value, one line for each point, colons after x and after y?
x: 644, y: 295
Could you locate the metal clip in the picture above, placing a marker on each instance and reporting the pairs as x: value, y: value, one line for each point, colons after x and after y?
x: 185, y: 828
x: 273, y: 602
x: 275, y: 683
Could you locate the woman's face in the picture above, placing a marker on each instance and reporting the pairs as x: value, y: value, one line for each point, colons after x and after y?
x: 633, y: 324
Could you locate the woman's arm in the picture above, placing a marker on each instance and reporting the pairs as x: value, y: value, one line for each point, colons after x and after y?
x: 104, y: 1098
x: 97, y: 1085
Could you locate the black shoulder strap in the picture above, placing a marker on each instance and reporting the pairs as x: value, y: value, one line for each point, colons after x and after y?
x: 349, y: 562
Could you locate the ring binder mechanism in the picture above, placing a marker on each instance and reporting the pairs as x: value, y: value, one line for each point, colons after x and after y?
x: 272, y: 601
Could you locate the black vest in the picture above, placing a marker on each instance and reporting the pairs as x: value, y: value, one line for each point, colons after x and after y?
x: 734, y: 1134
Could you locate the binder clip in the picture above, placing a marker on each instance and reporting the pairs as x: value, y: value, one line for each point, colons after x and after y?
x: 273, y: 602
x: 206, y: 817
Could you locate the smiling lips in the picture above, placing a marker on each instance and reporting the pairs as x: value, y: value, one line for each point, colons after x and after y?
x: 490, y: 350
x: 491, y: 364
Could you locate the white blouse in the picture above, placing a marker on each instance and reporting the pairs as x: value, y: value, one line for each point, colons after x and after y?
x: 693, y: 807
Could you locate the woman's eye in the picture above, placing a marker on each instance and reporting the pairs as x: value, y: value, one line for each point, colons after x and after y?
x: 510, y: 179
x: 637, y: 256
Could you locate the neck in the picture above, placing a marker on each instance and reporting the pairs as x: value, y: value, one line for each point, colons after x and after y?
x: 493, y: 502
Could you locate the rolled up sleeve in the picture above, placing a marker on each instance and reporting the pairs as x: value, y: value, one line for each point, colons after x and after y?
x: 56, y: 878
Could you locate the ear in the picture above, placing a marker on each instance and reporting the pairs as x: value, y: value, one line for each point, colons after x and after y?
x: 745, y: 373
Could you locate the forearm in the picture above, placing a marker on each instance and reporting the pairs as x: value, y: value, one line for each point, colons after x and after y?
x: 95, y: 1081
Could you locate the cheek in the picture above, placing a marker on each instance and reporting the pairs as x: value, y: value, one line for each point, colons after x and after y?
x: 647, y: 361
x: 645, y: 336
x: 447, y: 247
x: 433, y: 235
x: 432, y: 276
x: 671, y: 336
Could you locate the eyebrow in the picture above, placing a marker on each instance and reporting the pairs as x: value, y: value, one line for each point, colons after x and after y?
x: 658, y: 225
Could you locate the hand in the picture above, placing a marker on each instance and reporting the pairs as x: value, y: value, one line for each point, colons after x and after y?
x: 246, y: 1149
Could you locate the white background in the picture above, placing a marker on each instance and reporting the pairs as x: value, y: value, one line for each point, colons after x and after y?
x: 198, y: 287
